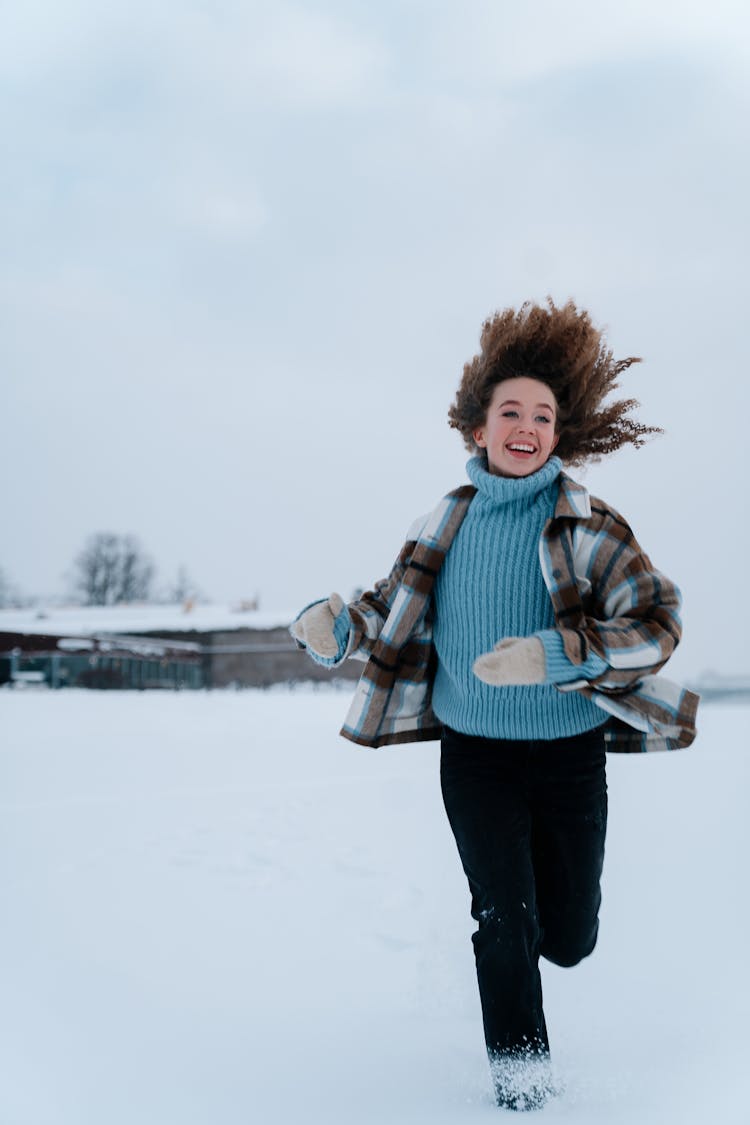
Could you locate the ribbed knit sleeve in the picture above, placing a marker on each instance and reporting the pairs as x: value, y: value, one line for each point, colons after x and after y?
x: 561, y: 670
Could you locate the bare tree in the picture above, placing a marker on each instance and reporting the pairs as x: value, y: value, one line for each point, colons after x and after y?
x: 183, y: 588
x: 112, y: 568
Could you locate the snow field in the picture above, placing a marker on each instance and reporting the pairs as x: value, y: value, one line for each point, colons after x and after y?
x: 218, y: 911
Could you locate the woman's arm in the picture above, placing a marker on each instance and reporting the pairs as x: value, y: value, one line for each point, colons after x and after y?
x: 632, y: 611
x: 353, y: 629
x: 369, y: 612
x: 630, y: 625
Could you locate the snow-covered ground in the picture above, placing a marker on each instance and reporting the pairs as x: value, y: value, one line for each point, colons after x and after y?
x: 216, y: 911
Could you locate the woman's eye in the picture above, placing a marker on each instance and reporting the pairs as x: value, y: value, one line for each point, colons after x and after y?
x: 542, y: 418
x: 510, y: 414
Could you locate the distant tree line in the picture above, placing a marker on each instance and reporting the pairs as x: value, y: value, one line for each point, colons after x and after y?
x: 111, y: 569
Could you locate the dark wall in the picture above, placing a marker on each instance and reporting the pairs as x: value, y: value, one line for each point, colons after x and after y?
x: 272, y: 659
x: 259, y: 658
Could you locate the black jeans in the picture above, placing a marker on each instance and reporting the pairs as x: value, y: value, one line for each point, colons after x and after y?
x: 530, y: 818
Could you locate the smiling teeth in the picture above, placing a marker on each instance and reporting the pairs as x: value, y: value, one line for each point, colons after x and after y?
x: 522, y: 448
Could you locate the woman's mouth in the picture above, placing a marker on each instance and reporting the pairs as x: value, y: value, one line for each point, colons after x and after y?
x: 521, y: 449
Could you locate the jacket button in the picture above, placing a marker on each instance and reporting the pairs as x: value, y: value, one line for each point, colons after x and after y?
x: 557, y: 573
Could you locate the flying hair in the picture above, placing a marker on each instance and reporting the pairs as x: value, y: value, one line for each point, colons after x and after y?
x: 561, y: 348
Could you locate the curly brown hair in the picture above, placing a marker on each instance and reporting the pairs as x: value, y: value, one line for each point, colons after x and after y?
x: 561, y: 348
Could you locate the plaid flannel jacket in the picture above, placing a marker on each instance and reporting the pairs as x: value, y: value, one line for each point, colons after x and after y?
x: 607, y: 598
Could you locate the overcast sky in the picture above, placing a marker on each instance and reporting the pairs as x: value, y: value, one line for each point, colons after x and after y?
x: 247, y: 248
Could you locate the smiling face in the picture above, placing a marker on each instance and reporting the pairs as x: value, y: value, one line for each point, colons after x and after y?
x: 519, y: 429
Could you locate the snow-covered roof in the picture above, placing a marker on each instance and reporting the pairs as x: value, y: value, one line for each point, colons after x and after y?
x: 79, y: 620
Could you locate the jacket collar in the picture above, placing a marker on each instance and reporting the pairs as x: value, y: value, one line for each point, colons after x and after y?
x: 573, y: 499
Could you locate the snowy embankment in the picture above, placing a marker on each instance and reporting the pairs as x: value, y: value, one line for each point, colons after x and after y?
x: 74, y: 621
x: 216, y: 911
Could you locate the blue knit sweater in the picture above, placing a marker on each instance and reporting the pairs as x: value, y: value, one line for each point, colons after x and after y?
x: 490, y: 586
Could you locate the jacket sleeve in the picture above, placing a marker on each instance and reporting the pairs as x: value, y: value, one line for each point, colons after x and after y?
x: 369, y: 612
x: 359, y: 624
x: 632, y: 611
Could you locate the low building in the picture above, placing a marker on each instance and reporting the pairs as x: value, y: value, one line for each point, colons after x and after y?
x: 154, y: 647
x: 98, y: 662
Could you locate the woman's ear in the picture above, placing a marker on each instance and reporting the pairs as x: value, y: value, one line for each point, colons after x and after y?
x: 554, y: 443
x: 478, y: 436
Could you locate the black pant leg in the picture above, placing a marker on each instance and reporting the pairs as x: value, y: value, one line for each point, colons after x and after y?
x: 484, y: 793
x: 568, y: 798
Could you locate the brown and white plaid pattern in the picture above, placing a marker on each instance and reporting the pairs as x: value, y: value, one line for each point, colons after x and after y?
x: 607, y: 597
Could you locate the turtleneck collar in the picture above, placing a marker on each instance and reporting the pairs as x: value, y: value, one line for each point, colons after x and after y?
x: 511, y: 490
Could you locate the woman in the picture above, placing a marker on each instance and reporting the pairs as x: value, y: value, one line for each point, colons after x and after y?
x: 524, y: 626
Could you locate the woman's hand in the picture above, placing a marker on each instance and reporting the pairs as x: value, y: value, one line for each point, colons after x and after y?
x: 514, y: 661
x: 315, y: 627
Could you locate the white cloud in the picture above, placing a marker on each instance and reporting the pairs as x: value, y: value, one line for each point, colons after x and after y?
x: 309, y: 58
x: 216, y: 208
x: 279, y: 52
x: 498, y: 44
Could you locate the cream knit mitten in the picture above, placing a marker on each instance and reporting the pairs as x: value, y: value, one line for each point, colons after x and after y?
x: 314, y: 628
x: 514, y: 661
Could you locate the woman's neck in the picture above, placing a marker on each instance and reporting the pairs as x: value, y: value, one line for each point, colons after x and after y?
x: 511, y: 490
